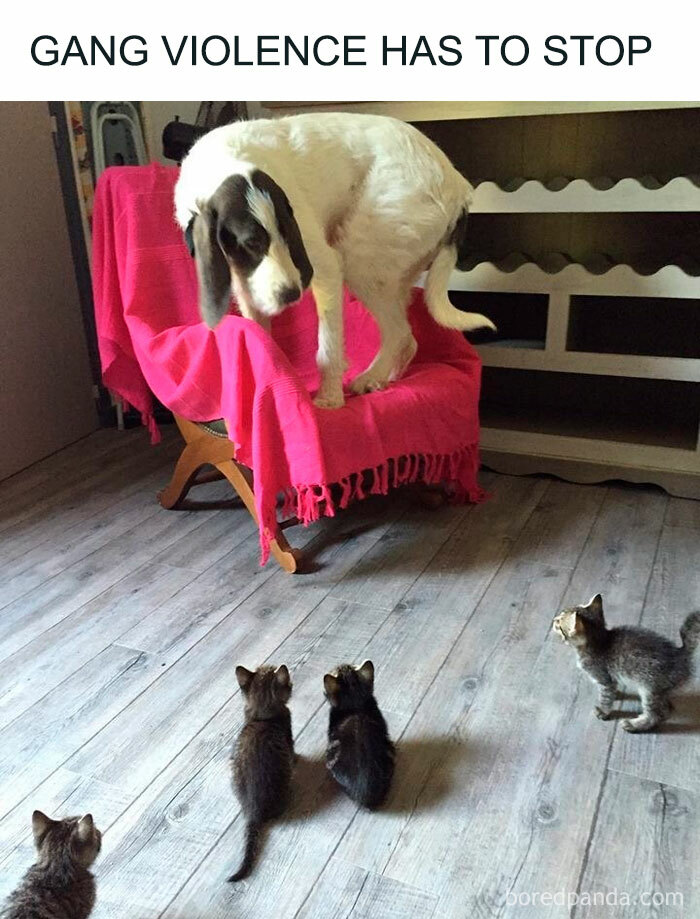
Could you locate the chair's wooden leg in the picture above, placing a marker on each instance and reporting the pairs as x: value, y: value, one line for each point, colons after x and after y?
x: 203, y: 449
x: 241, y: 478
x: 183, y: 478
x: 200, y: 449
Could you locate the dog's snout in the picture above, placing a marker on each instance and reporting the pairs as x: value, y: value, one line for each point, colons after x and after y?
x: 289, y: 294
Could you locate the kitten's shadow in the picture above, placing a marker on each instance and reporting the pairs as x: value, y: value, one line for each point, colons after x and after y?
x: 313, y: 788
x: 684, y: 719
x: 424, y: 772
x: 423, y: 778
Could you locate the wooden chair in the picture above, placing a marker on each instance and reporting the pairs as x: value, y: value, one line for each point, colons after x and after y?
x: 207, y: 444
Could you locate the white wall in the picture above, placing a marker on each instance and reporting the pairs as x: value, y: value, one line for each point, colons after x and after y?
x: 156, y: 115
x: 46, y: 399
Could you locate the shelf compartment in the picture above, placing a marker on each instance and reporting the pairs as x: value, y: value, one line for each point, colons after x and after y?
x: 658, y: 413
x: 658, y: 327
x: 584, y: 145
x: 517, y: 274
x: 521, y: 319
x: 646, y: 242
x: 564, y: 195
x: 619, y: 365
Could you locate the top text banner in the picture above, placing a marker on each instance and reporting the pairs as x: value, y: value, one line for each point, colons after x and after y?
x: 536, y: 51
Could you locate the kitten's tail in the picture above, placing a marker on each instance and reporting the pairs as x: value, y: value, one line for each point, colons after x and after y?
x: 252, y: 837
x: 690, y: 633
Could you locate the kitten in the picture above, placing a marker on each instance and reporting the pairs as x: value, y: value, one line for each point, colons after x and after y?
x: 360, y: 755
x: 59, y: 885
x: 264, y: 754
x: 628, y: 657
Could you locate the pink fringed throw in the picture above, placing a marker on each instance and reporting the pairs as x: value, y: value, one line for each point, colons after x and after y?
x: 423, y: 427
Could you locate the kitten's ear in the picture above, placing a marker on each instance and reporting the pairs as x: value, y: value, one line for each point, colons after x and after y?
x: 331, y: 685
x: 595, y: 605
x: 244, y: 677
x: 366, y: 673
x: 40, y: 824
x: 85, y: 828
x: 282, y: 676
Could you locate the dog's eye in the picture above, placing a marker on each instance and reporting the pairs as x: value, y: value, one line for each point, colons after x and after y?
x: 255, y: 246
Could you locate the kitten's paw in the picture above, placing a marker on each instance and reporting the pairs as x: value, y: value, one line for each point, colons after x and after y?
x: 602, y: 713
x: 637, y: 725
x: 332, y: 754
x: 367, y: 382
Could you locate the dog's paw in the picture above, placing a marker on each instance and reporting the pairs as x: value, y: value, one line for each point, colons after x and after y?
x: 324, y: 400
x: 367, y: 383
x: 602, y: 713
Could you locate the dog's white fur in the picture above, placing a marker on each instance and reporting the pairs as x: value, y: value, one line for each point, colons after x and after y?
x: 376, y: 202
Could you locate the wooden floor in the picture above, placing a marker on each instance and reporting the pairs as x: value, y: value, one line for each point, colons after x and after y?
x: 121, y: 625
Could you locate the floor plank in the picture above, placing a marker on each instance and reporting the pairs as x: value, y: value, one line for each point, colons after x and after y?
x: 644, y: 847
x: 121, y: 625
x: 533, y: 735
x: 669, y: 756
x: 407, y: 642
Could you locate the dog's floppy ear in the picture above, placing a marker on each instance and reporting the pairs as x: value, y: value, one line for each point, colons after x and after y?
x: 287, y: 223
x: 189, y: 236
x: 212, y: 268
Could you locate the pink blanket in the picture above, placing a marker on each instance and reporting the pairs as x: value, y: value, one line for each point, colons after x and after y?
x: 151, y: 340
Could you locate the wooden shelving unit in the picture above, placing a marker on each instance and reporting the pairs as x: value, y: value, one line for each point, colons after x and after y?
x: 583, y: 196
x: 585, y: 228
x: 603, y: 380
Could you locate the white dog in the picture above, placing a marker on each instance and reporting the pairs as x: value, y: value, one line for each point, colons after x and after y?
x: 273, y: 206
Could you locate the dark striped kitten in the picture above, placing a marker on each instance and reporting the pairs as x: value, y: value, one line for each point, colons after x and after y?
x: 629, y: 658
x: 264, y: 754
x: 59, y: 885
x: 360, y: 755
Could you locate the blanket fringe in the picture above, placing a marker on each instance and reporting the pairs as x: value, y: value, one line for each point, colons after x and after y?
x: 456, y: 470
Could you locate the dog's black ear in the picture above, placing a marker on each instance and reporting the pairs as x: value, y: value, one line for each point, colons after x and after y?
x: 189, y: 237
x: 287, y: 223
x: 212, y: 268
x: 297, y: 249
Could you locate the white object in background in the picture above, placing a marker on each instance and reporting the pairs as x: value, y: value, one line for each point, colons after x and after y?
x: 129, y: 116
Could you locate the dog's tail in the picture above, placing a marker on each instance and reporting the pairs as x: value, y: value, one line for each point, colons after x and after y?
x: 690, y: 633
x: 252, y: 838
x: 438, y: 280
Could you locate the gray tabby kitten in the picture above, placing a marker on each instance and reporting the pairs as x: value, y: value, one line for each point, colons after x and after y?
x: 629, y: 658
x: 264, y: 754
x: 59, y: 885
